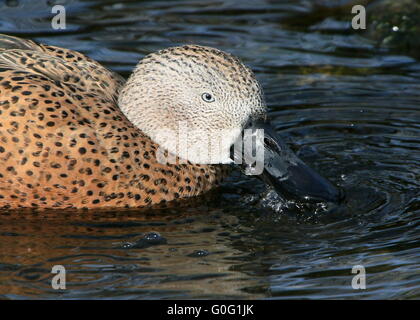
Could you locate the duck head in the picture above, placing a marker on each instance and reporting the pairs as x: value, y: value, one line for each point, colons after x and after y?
x: 195, y: 102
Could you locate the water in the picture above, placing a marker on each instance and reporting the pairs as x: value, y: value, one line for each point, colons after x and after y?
x: 349, y: 109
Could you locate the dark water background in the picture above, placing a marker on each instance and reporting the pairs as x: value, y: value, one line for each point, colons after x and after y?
x: 349, y: 109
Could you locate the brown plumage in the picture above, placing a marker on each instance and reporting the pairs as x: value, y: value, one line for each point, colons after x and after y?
x: 65, y: 143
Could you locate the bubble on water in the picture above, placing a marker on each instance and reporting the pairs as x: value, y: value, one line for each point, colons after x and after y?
x: 199, y: 253
x: 127, y: 245
x: 153, y: 237
x: 147, y: 240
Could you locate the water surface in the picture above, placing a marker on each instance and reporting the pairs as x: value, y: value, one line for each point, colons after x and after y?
x: 349, y: 109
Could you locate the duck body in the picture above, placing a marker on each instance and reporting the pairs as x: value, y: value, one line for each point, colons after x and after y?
x: 75, y: 135
x: 64, y: 142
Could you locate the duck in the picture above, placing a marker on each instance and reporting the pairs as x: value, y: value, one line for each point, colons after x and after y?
x: 75, y: 135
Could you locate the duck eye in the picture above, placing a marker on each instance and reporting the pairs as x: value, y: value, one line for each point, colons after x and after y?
x: 207, y: 97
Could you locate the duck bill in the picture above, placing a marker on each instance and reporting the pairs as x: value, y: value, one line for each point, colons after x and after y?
x: 283, y: 170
